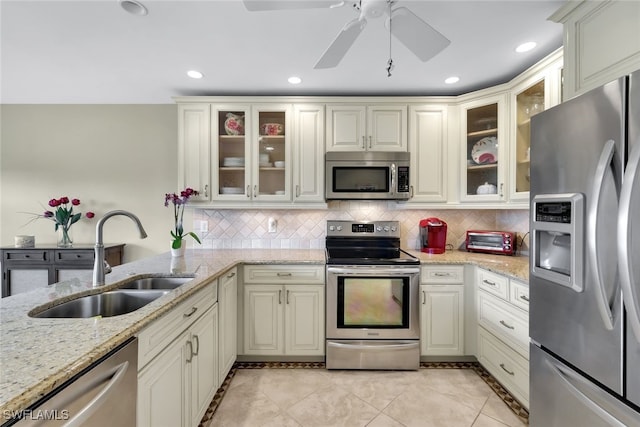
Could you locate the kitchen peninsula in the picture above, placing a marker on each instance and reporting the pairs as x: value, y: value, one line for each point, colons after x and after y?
x: 38, y: 355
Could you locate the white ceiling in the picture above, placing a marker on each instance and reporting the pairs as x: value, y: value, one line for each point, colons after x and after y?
x: 92, y: 51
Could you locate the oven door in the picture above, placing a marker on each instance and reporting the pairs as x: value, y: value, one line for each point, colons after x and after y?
x: 372, y: 302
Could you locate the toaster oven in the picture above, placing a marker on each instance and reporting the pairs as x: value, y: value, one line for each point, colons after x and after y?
x: 492, y: 242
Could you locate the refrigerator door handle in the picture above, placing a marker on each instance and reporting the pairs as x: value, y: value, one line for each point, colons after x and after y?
x: 601, y: 169
x: 627, y: 280
x: 573, y: 382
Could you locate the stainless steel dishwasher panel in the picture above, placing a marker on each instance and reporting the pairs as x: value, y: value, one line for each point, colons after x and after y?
x: 104, y: 394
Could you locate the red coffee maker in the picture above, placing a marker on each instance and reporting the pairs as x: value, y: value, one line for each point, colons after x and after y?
x: 433, y: 235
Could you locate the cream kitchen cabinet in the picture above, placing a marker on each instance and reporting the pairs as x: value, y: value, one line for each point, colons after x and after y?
x: 283, y: 310
x: 366, y: 127
x: 428, y: 142
x: 251, y: 156
x: 194, y: 147
x: 536, y: 90
x: 228, y: 321
x: 484, y: 149
x: 503, y: 331
x: 601, y: 42
x: 442, y: 311
x: 178, y: 363
x: 308, y: 154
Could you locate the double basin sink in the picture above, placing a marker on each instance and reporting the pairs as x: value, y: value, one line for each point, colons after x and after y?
x: 130, y: 296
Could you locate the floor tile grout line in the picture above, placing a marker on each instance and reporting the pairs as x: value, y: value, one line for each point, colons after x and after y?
x: 494, y: 385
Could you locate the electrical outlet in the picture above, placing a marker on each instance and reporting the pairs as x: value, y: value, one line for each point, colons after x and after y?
x: 273, y: 225
x: 204, y: 225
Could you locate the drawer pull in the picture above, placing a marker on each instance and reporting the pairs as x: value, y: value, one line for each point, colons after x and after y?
x: 506, y: 370
x: 506, y: 325
x: 280, y: 274
x: 437, y: 274
x: 191, y: 313
x: 490, y: 283
x: 524, y: 298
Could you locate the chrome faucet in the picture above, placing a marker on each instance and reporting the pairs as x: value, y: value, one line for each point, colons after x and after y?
x: 100, y: 263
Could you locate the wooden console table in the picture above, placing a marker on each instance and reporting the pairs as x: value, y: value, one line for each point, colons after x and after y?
x: 24, y: 269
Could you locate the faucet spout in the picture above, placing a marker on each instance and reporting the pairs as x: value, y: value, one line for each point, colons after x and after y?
x: 99, y: 261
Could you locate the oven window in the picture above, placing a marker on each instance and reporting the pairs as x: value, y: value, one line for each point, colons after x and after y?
x: 360, y: 179
x: 373, y: 302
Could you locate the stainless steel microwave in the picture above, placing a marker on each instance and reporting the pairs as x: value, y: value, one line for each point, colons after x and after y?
x: 367, y: 175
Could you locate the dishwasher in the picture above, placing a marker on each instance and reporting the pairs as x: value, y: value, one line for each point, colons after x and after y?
x: 104, y: 394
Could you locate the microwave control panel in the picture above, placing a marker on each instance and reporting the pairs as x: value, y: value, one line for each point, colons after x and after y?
x: 403, y: 179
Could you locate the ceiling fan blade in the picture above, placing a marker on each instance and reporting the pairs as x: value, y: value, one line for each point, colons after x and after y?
x: 260, y: 5
x: 418, y: 36
x: 339, y: 47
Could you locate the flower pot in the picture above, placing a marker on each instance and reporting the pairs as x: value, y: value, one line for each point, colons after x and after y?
x: 178, y: 252
x: 64, y: 238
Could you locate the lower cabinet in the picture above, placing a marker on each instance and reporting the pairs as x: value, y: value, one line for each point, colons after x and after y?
x: 178, y: 363
x: 283, y: 310
x: 442, y: 311
x: 503, y: 331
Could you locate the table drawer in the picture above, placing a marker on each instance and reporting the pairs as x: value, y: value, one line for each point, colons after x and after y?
x: 507, y: 366
x: 453, y: 274
x: 27, y: 256
x: 505, y: 322
x: 299, y: 274
x: 74, y: 256
x: 493, y: 283
x: 519, y: 294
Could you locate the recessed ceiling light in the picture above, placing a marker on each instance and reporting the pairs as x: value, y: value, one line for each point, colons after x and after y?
x: 294, y: 80
x: 525, y: 47
x: 133, y: 7
x: 195, y: 74
x: 451, y: 80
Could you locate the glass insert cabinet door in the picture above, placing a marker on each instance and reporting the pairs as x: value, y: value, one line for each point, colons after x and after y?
x: 271, y: 148
x: 482, y: 148
x: 231, y: 151
x: 529, y: 102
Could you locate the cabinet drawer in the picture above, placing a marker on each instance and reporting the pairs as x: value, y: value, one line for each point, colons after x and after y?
x: 493, y: 283
x: 519, y: 294
x: 160, y: 333
x: 442, y: 274
x: 507, y: 366
x: 506, y: 322
x: 27, y: 256
x: 74, y: 256
x: 299, y: 274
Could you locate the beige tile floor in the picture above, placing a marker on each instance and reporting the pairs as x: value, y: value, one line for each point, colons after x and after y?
x: 318, y: 397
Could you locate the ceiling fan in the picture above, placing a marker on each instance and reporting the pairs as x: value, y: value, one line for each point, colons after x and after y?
x: 418, y: 36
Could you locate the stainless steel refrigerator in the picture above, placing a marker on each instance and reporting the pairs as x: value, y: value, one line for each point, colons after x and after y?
x: 585, y: 260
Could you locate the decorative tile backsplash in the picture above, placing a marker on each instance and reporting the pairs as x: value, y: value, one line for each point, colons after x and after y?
x: 305, y: 229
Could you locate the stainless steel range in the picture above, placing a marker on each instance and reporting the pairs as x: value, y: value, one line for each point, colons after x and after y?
x: 372, y: 298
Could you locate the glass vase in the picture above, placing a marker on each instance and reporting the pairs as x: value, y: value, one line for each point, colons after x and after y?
x: 64, y: 238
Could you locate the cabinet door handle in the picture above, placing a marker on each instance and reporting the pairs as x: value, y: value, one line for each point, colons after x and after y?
x: 248, y: 191
x: 506, y: 370
x: 506, y: 325
x: 524, y: 298
x: 280, y: 296
x: 424, y: 297
x: 230, y: 275
x: 255, y: 191
x: 197, y: 340
x: 411, y: 189
x: 190, y: 352
x: 363, y: 143
x: 370, y: 141
x: 297, y: 190
x: 191, y: 313
x: 206, y: 190
x: 488, y: 282
x: 501, y: 192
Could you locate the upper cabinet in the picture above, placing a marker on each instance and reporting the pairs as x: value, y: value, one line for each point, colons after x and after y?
x: 366, y: 128
x: 251, y: 155
x: 484, y: 149
x: 308, y: 154
x: 601, y: 42
x: 194, y: 141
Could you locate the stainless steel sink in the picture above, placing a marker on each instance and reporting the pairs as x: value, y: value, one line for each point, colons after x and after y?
x: 106, y: 304
x: 163, y: 283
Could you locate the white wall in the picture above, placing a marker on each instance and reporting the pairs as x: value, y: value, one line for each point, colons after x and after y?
x: 108, y: 156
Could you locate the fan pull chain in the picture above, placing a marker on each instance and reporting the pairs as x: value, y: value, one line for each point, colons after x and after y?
x: 390, y: 61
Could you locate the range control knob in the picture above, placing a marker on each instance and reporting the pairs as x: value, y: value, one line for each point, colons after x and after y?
x: 339, y: 228
x: 386, y: 228
x: 331, y: 228
x: 394, y: 228
x: 378, y: 228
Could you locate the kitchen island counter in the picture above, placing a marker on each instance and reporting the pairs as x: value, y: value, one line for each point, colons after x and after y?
x: 38, y: 355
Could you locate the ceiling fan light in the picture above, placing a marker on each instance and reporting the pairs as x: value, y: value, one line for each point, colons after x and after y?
x: 451, y: 80
x: 194, y: 74
x: 133, y: 7
x: 294, y: 80
x: 526, y: 47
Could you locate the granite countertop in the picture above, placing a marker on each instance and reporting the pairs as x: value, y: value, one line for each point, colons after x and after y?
x: 38, y: 355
